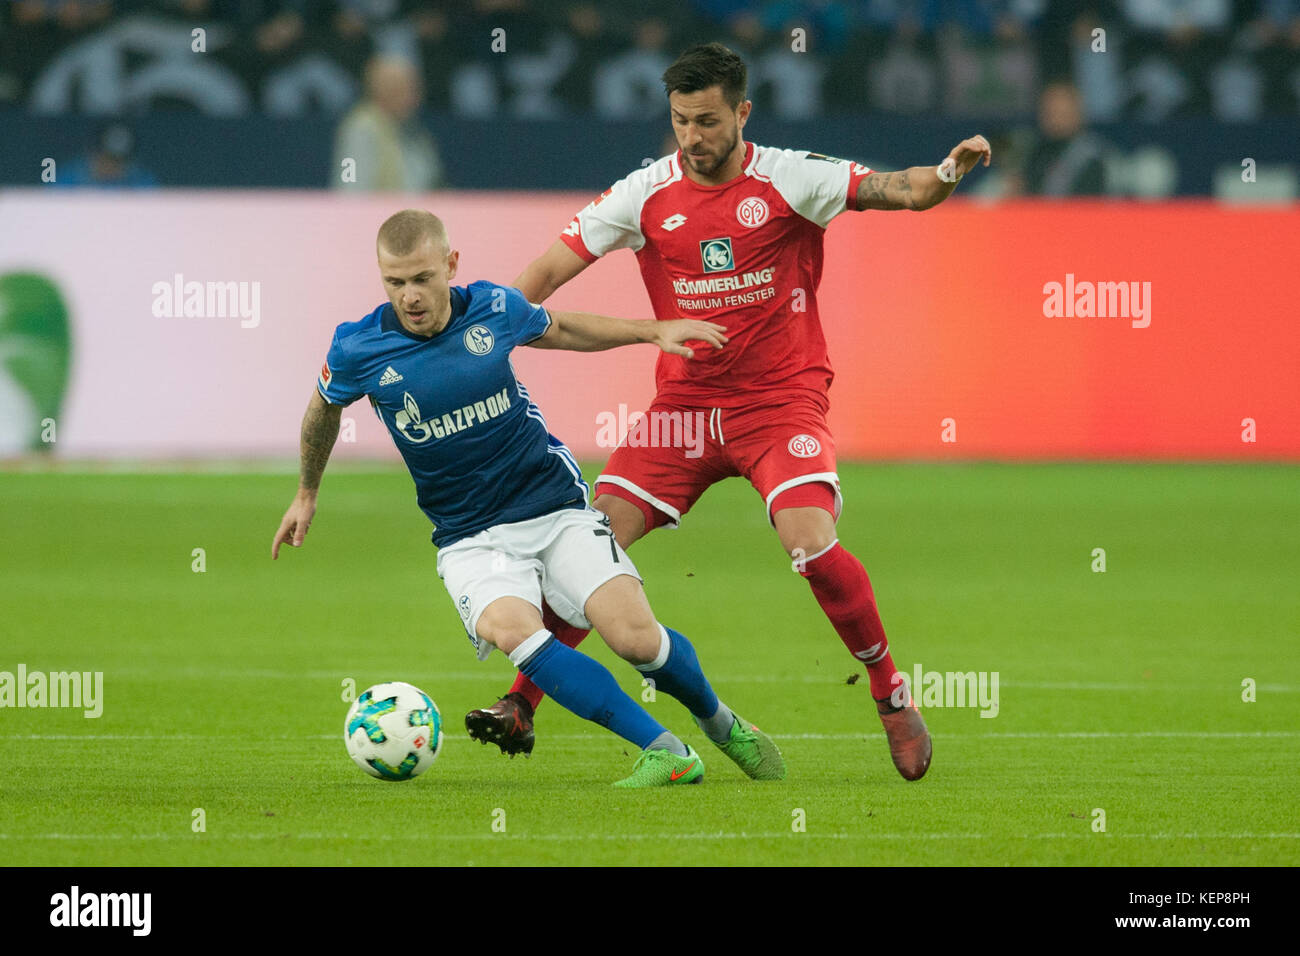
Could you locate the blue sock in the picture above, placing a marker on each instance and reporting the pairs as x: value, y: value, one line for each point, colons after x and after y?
x: 679, y: 675
x: 583, y: 686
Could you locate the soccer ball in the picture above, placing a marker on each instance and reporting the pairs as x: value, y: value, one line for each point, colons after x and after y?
x: 393, y: 731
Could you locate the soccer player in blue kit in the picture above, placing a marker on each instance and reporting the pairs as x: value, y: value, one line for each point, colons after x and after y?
x: 512, y: 519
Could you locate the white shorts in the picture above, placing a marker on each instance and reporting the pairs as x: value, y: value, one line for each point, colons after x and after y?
x: 563, y: 557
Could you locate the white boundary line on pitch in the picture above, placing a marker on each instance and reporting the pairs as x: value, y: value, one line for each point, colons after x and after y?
x: 1067, y: 734
x: 724, y: 679
x: 273, y: 466
x: 569, y: 837
x: 1028, y: 735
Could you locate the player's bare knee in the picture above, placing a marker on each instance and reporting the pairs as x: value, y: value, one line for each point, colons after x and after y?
x: 619, y: 611
x: 806, y: 547
x: 636, y: 641
x: 504, y: 636
x: 804, y: 531
x: 625, y: 519
x: 508, y: 622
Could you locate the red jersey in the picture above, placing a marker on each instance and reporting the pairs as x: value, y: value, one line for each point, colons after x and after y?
x: 746, y: 254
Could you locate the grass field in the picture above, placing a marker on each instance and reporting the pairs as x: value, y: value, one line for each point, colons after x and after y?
x: 1119, y: 691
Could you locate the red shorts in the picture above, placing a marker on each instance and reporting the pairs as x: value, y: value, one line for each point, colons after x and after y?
x: 674, y: 453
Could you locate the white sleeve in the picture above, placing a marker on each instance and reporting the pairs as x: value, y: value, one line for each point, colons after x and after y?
x: 613, y: 220
x: 817, y: 187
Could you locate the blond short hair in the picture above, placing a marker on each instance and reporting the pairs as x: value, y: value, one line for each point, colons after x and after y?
x: 402, y: 232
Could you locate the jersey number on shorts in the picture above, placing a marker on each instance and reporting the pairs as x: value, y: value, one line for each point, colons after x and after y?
x: 613, y: 553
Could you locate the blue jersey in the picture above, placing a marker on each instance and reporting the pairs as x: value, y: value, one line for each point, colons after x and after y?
x: 475, y: 444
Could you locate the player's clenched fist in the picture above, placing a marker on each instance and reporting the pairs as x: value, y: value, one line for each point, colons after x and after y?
x: 294, y: 525
x: 674, y: 332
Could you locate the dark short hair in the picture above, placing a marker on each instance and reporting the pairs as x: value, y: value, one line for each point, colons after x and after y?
x: 705, y: 65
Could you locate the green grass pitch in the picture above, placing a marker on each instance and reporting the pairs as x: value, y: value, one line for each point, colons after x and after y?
x: 1120, y: 691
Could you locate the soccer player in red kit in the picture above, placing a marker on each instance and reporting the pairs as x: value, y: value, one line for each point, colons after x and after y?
x: 731, y: 232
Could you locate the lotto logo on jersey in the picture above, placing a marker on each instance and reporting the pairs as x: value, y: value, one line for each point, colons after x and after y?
x: 804, y: 446
x: 715, y: 255
x: 751, y: 212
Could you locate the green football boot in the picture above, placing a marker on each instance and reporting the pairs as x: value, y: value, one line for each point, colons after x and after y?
x: 659, y: 768
x: 754, y: 752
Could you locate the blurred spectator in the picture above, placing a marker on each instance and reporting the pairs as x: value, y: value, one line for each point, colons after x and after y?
x: 1235, y: 60
x: 435, y: 39
x: 787, y: 84
x: 903, y: 80
x: 974, y: 18
x: 533, y: 76
x: 1178, y: 16
x: 345, y: 38
x: 382, y: 136
x: 1067, y: 160
x: 300, y: 62
x: 1273, y: 38
x: 594, y: 36
x: 785, y: 79
x: 630, y: 85
x: 989, y: 76
x: 110, y: 164
x: 826, y: 23
x: 512, y: 61
x: 1184, y: 38
x: 1159, y: 89
x: 382, y: 20
x: 1279, y: 21
x: 1096, y: 52
x: 27, y: 41
x: 1237, y: 90
x: 137, y: 63
x: 722, y: 11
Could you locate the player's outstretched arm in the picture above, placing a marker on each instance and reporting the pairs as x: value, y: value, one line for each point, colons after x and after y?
x: 923, y: 187
x: 556, y: 266
x: 320, y: 428
x: 585, y: 332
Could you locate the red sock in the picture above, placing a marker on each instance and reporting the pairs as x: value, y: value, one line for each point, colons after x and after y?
x: 567, y: 634
x: 842, y: 588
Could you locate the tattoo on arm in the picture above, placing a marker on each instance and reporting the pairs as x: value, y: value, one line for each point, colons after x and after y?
x: 320, y: 428
x: 886, y: 191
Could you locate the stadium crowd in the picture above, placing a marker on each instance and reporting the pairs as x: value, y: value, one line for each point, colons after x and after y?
x: 1235, y: 60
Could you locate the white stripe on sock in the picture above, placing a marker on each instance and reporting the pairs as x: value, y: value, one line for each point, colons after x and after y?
x: 665, y: 648
x: 528, y: 647
x: 814, y: 557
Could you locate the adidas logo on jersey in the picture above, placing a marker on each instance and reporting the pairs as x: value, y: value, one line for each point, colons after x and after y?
x: 390, y: 376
